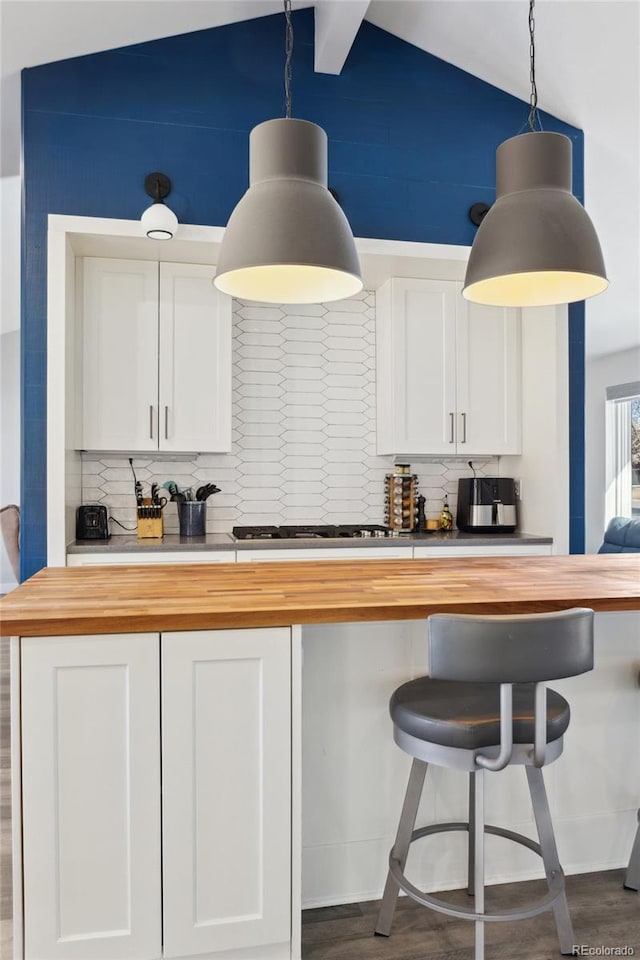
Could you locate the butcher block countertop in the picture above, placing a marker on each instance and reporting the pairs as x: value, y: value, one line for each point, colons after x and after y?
x: 121, y: 599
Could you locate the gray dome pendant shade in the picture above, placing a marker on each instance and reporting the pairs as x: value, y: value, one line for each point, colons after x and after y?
x: 288, y: 241
x: 536, y: 246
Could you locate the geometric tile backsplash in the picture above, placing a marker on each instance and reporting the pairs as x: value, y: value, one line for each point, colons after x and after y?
x: 303, y: 430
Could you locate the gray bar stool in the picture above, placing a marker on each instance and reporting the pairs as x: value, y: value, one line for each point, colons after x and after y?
x: 485, y: 705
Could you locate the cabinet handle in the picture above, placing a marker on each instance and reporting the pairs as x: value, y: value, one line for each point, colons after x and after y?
x: 451, y: 416
x: 166, y: 423
x: 150, y: 422
x: 464, y: 428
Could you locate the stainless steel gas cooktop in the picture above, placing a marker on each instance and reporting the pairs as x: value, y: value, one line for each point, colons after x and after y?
x: 312, y: 531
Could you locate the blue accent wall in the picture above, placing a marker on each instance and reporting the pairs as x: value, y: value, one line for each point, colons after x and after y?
x: 412, y: 145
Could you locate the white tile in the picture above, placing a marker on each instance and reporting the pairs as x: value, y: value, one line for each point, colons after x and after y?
x: 305, y: 514
x: 302, y: 398
x: 304, y: 448
x: 259, y: 358
x: 349, y: 508
x: 343, y: 330
x: 347, y: 406
x: 346, y: 393
x: 259, y: 376
x: 343, y: 454
x: 303, y: 323
x: 92, y: 467
x: 260, y: 456
x: 260, y: 416
x: 342, y: 355
x: 347, y: 419
x: 355, y: 468
x: 259, y: 340
x: 344, y: 480
x: 259, y: 364
x: 304, y: 381
x: 257, y: 312
x: 304, y: 309
x: 301, y: 410
x: 302, y: 463
x: 351, y: 369
x: 354, y: 445
x: 260, y: 442
x: 303, y: 487
x: 346, y: 316
x: 301, y: 436
x: 265, y: 493
x: 352, y: 305
x: 262, y: 480
x: 259, y: 403
x: 339, y: 430
x: 293, y: 347
x: 299, y: 366
x: 259, y: 389
x: 347, y: 344
x: 119, y: 486
x: 260, y: 326
x: 258, y: 507
x: 303, y: 500
x: 303, y: 423
x: 305, y: 336
x: 258, y: 467
x: 260, y: 430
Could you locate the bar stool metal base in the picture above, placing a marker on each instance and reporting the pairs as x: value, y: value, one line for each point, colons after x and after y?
x: 555, y: 899
x: 556, y: 882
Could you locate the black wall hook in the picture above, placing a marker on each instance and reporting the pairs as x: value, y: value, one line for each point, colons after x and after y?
x: 478, y: 212
x: 157, y: 185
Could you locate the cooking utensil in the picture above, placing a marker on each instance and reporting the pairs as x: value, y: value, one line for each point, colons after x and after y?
x: 175, y: 492
x: 202, y: 493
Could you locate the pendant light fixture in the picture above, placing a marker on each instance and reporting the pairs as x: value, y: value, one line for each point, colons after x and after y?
x: 158, y: 221
x: 536, y: 245
x: 288, y: 241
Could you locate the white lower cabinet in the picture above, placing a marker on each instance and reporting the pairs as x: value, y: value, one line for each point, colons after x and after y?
x: 91, y: 797
x: 110, y: 871
x: 226, y: 814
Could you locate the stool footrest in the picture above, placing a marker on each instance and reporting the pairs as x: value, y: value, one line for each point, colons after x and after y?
x: 555, y: 882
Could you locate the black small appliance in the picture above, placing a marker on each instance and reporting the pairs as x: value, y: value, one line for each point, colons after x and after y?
x: 91, y: 522
x: 486, y: 505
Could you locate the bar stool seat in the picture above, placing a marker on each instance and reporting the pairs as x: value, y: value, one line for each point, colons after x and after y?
x: 486, y: 706
x: 467, y: 715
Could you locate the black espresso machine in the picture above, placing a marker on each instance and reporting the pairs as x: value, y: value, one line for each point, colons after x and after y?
x: 486, y: 505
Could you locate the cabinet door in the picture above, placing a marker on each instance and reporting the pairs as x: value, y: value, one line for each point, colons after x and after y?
x: 226, y: 770
x: 120, y: 354
x: 91, y: 797
x: 416, y: 370
x: 488, y: 380
x: 195, y: 360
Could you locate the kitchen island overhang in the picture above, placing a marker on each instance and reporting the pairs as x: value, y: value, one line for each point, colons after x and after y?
x: 62, y: 601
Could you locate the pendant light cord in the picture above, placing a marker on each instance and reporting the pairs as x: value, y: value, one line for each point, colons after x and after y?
x: 289, y: 54
x: 533, y: 98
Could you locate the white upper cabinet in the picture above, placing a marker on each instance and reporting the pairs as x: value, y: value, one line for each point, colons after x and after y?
x: 448, y: 372
x: 156, y: 368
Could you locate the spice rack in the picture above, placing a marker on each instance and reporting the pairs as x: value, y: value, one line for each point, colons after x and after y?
x: 401, y: 498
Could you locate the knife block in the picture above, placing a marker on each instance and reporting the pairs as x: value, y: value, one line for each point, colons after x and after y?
x: 150, y: 527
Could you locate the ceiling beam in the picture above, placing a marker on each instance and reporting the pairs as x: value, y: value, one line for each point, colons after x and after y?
x: 337, y: 23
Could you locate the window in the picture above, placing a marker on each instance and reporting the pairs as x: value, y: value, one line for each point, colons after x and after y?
x: 623, y: 451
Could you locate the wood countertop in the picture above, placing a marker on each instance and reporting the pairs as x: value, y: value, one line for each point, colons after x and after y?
x: 121, y: 599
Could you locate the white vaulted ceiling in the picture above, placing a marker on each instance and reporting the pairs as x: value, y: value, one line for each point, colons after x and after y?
x: 588, y: 72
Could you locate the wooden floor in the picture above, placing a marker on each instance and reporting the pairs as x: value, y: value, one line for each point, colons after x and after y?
x: 604, y: 914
